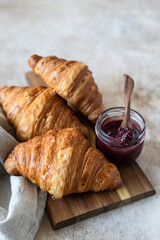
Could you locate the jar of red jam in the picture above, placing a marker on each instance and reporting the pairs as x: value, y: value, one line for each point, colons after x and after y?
x: 120, y: 146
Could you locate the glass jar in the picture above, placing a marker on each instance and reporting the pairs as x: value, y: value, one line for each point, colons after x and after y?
x: 110, y: 146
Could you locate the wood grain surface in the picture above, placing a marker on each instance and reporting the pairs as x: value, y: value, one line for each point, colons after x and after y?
x: 76, y: 207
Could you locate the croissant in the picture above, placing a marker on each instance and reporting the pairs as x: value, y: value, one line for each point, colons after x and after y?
x: 72, y: 80
x: 35, y: 110
x: 63, y: 162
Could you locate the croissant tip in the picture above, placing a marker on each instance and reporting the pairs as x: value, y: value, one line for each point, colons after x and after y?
x: 119, y: 183
x: 33, y: 60
x: 10, y: 167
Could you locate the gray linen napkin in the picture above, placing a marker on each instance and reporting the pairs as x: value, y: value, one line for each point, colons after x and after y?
x: 22, y: 206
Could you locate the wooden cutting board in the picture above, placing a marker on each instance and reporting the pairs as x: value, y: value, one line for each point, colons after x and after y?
x: 77, y: 207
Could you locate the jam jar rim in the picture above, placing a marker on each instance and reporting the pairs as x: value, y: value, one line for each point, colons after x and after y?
x: 109, y: 138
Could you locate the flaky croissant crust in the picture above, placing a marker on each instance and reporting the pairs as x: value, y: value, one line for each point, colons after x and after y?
x: 72, y: 80
x: 63, y: 162
x: 35, y: 110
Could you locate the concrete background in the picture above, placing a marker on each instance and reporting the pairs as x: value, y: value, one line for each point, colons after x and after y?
x: 112, y: 37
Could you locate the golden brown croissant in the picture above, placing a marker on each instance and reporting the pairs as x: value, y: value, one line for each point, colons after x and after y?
x: 72, y: 80
x: 35, y: 110
x: 63, y: 162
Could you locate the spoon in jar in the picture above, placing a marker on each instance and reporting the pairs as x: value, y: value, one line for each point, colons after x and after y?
x: 128, y: 88
x: 125, y: 130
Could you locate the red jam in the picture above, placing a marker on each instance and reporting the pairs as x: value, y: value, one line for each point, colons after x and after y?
x: 127, y: 136
x: 123, y: 145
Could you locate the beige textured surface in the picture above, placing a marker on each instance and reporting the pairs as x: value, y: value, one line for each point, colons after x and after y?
x: 112, y: 37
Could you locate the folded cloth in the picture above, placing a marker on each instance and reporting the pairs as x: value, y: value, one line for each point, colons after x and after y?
x: 5, y: 124
x: 20, y: 219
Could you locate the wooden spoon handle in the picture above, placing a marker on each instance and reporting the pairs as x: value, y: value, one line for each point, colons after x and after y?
x: 128, y: 88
